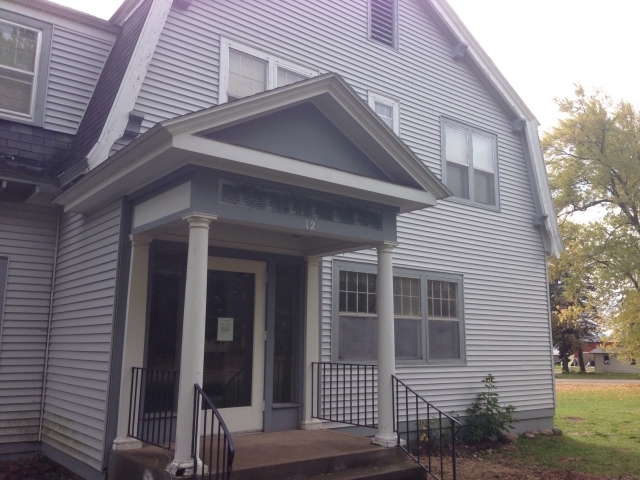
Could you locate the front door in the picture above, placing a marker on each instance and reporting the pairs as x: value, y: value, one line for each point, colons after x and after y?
x: 234, y: 341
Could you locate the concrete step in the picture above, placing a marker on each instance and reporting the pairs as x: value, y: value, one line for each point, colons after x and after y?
x: 382, y: 459
x: 406, y: 470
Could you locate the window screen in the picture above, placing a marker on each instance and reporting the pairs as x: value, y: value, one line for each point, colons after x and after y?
x: 470, y: 163
x: 247, y: 75
x: 385, y: 112
x: 443, y: 320
x: 18, y: 60
x: 287, y: 77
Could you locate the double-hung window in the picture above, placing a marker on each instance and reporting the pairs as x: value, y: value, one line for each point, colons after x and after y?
x: 387, y: 109
x: 470, y: 164
x: 427, y: 306
x: 246, y: 71
x: 22, y: 66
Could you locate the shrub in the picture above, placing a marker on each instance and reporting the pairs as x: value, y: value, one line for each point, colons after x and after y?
x: 487, y: 418
x: 437, y: 431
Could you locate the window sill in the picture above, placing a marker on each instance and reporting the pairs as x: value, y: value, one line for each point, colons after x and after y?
x: 463, y: 201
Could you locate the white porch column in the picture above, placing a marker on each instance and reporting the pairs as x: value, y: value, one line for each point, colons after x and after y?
x: 134, y: 332
x: 386, y: 348
x: 311, y: 339
x: 193, y: 329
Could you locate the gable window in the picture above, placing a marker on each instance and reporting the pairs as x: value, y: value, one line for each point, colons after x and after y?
x: 470, y: 164
x: 427, y: 315
x: 387, y: 109
x: 22, y: 66
x: 383, y: 22
x: 246, y: 71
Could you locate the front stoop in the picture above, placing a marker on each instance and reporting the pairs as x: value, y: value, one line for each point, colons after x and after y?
x: 293, y: 455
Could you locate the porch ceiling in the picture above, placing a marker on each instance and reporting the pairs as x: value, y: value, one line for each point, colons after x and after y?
x: 175, y: 143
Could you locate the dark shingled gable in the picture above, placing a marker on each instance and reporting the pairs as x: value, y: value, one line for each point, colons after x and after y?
x: 107, y: 88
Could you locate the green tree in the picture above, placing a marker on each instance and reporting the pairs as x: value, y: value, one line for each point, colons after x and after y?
x: 593, y: 158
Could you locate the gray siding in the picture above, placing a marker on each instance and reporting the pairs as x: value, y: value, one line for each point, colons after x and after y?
x: 27, y: 238
x: 499, y: 254
x: 78, y: 364
x: 76, y: 62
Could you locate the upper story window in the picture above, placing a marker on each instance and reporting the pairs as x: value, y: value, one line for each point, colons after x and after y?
x: 383, y: 22
x: 246, y: 71
x: 427, y: 306
x: 387, y: 109
x: 23, y: 67
x: 470, y: 164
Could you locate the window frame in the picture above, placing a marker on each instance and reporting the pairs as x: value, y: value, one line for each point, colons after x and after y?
x: 273, y: 63
x: 424, y: 276
x: 396, y: 27
x: 41, y: 70
x: 375, y: 97
x: 471, y: 130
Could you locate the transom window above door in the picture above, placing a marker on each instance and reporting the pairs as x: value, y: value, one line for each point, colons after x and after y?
x: 470, y: 164
x: 246, y: 71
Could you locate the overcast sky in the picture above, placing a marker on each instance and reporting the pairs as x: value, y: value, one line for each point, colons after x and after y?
x: 541, y: 47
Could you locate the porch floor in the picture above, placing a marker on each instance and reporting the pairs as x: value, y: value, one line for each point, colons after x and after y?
x: 279, y: 455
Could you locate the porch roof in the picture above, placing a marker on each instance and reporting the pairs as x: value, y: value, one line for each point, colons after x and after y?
x: 405, y: 182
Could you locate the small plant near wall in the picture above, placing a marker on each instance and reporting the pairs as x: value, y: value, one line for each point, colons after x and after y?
x: 488, y: 419
x: 436, y: 432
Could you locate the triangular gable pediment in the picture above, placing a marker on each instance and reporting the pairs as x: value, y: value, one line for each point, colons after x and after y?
x: 322, y: 121
x: 302, y: 132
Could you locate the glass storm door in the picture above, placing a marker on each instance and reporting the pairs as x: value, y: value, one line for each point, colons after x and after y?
x: 234, y: 341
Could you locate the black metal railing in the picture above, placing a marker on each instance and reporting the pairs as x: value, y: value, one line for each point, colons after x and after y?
x: 427, y: 434
x: 212, y: 452
x: 345, y: 393
x: 153, y: 406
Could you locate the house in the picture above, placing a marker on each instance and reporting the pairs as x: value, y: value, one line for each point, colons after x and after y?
x: 606, y: 362
x: 265, y: 199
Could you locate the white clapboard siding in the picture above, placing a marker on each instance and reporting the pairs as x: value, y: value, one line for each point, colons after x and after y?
x: 78, y: 367
x: 76, y: 62
x: 500, y: 254
x: 27, y: 238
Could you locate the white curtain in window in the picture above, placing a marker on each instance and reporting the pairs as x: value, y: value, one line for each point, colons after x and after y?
x: 483, y: 153
x: 247, y: 74
x: 456, y: 141
x: 287, y: 77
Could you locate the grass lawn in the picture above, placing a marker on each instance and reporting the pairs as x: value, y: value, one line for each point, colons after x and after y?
x: 601, y: 425
x: 574, y: 373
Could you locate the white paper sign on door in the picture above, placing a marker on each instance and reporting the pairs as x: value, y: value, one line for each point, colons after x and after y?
x: 225, y: 329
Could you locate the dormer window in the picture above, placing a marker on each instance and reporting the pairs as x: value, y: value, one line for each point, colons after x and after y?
x: 19, y: 49
x: 246, y: 71
x: 23, y: 67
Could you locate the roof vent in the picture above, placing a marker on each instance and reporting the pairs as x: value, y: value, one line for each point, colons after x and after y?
x: 382, y: 18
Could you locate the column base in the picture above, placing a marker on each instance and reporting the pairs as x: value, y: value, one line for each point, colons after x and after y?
x: 184, y: 468
x: 126, y: 443
x: 386, y: 441
x: 312, y: 424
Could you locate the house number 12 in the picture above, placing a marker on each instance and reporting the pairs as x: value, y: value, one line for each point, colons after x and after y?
x: 311, y: 225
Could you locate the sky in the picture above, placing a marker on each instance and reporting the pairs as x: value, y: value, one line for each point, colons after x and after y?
x: 542, y: 47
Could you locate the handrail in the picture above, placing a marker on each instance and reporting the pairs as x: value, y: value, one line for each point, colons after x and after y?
x: 225, y: 449
x: 428, y: 430
x: 152, y: 406
x: 345, y: 393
